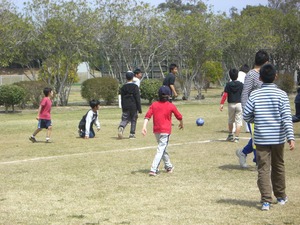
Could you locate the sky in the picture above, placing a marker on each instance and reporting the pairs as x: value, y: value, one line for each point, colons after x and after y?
x: 218, y: 5
x: 223, y: 5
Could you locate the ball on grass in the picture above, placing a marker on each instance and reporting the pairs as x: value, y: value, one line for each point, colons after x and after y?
x: 200, y: 122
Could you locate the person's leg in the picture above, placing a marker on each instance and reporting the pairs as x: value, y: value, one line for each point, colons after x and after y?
x: 123, y: 124
x: 32, y: 137
x: 238, y: 120
x: 162, y: 141
x: 264, y: 172
x: 278, y: 171
x: 48, y: 125
x: 92, y: 133
x: 231, y: 118
x: 134, y: 117
x: 249, y: 147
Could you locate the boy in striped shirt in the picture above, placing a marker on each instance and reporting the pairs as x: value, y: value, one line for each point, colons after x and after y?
x: 269, y: 108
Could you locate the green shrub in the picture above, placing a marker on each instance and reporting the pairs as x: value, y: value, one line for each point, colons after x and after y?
x: 286, y: 82
x: 11, y: 95
x: 105, y: 88
x: 33, y: 92
x: 149, y: 89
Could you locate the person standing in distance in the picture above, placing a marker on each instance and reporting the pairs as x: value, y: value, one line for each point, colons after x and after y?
x: 170, y: 80
x: 131, y: 105
x: 137, y: 77
x: 44, y: 115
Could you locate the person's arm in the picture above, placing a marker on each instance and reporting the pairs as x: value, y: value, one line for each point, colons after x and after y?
x: 97, y: 123
x: 287, y: 122
x: 138, y: 99
x: 173, y: 90
x: 39, y: 111
x: 144, y: 129
x: 88, y: 121
x: 223, y: 99
x: 248, y: 114
x: 247, y: 88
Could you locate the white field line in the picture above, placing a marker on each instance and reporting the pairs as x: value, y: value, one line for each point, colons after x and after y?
x: 104, y: 152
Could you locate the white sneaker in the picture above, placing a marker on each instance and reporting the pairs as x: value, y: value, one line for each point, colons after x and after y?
x: 242, y: 158
x: 120, y: 132
x: 265, y: 206
x: 282, y: 201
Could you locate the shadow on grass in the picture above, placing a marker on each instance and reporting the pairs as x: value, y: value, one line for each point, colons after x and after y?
x: 237, y: 167
x: 238, y: 202
x: 144, y: 171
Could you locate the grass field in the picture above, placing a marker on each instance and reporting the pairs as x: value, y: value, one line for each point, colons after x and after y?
x: 105, y: 180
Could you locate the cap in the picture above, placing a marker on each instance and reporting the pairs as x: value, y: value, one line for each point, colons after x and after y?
x: 129, y: 75
x: 164, y: 90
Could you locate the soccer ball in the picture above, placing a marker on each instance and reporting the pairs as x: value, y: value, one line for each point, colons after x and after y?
x: 200, y: 122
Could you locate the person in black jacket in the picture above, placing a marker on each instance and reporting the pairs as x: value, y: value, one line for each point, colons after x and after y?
x: 131, y: 105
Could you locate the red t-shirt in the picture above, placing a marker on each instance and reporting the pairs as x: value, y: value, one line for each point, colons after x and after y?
x: 162, y: 116
x: 45, y: 105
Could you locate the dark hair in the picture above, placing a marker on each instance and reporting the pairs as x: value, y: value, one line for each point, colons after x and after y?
x: 245, y: 68
x: 233, y: 73
x: 172, y: 67
x: 261, y: 57
x: 267, y: 73
x: 47, y: 91
x: 94, y: 103
x: 137, y: 71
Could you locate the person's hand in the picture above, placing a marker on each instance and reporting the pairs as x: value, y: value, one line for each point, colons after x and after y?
x: 180, y: 126
x: 291, y: 144
x: 144, y: 131
x: 221, y: 107
x: 98, y: 128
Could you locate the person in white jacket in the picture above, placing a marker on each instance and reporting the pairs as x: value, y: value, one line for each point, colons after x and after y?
x: 86, y: 123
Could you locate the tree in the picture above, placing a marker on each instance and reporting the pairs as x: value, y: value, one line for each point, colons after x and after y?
x: 11, y: 95
x: 66, y: 34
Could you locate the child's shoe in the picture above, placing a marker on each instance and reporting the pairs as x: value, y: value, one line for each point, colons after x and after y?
x: 230, y: 137
x: 265, y: 206
x: 170, y: 169
x: 282, y: 201
x: 152, y: 174
x: 32, y: 138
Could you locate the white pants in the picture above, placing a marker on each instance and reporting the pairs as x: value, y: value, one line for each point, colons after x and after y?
x: 161, y: 152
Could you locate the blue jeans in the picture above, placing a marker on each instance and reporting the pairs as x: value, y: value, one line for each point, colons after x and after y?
x: 249, y: 147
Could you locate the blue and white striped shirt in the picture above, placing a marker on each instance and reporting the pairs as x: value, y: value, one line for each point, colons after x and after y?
x: 269, y: 109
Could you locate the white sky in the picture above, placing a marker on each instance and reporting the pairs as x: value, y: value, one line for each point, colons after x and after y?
x: 218, y: 5
x: 223, y: 5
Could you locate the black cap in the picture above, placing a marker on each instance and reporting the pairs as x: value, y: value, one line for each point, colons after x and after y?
x: 164, y: 90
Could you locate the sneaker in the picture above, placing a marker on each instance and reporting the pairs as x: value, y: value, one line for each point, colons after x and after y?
x: 236, y: 139
x: 242, y: 158
x: 152, y: 174
x: 230, y: 138
x: 31, y: 138
x: 120, y: 132
x: 170, y: 169
x: 265, y: 206
x: 131, y: 136
x: 282, y: 201
x: 48, y: 141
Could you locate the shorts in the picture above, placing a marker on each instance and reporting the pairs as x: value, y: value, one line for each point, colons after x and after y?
x: 44, y: 123
x: 235, y: 113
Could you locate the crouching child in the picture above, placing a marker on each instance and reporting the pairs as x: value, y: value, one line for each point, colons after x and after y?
x: 85, y: 127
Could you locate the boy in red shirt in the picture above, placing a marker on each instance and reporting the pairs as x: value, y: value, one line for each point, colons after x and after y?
x: 44, y: 116
x: 162, y: 111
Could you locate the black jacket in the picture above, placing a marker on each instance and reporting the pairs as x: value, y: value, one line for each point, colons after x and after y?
x: 130, y: 98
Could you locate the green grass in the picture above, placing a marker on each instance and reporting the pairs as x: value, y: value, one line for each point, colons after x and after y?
x: 105, y: 180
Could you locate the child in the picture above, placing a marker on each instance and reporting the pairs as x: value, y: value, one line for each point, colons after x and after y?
x: 170, y: 80
x: 91, y: 117
x: 233, y: 90
x: 269, y: 108
x: 162, y: 113
x: 296, y: 117
x: 137, y: 77
x: 44, y: 116
x: 131, y: 104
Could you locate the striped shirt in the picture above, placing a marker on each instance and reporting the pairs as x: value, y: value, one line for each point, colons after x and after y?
x: 269, y: 109
x: 251, y: 83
